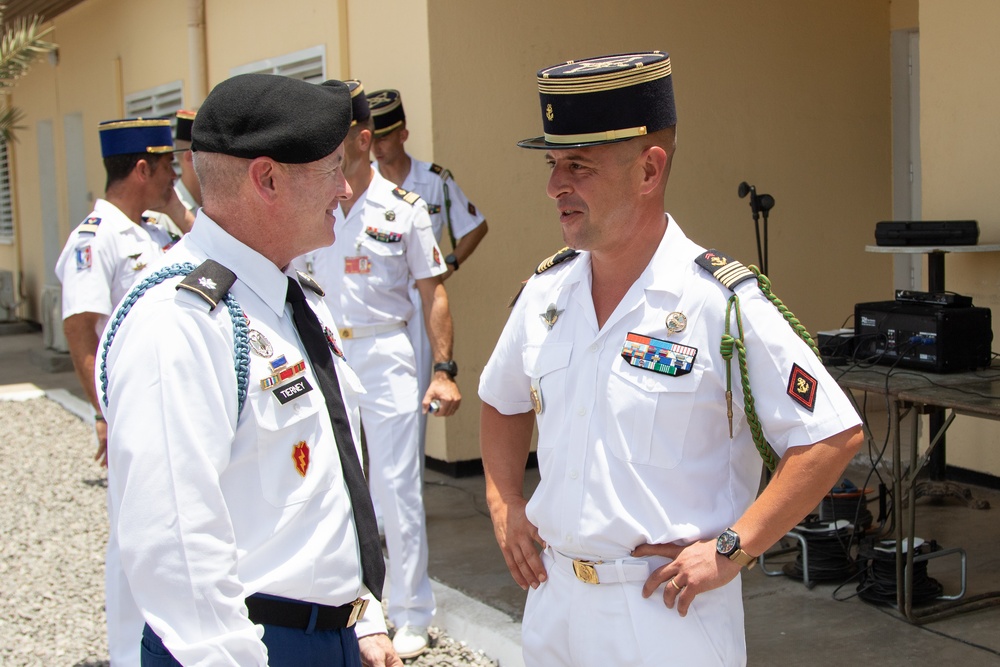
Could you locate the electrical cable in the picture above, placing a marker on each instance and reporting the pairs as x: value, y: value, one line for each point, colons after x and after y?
x: 878, y: 581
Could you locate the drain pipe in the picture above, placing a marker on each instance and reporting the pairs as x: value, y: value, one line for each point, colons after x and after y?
x: 197, y: 60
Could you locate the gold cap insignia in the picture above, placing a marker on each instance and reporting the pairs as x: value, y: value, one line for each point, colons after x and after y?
x: 548, y: 112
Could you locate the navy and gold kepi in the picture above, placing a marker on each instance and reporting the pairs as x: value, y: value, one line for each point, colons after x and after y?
x: 185, y: 119
x: 359, y: 103
x: 387, y: 111
x: 605, y: 99
x: 135, y: 135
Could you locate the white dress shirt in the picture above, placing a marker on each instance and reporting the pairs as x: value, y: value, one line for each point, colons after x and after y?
x: 211, y: 506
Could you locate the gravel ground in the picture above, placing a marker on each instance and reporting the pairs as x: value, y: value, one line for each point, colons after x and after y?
x: 53, y: 530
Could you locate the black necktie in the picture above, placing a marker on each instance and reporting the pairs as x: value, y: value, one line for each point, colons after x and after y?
x: 314, y: 340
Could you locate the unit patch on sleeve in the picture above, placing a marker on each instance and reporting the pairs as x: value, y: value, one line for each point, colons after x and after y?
x: 802, y: 387
x: 84, y: 258
x: 659, y: 356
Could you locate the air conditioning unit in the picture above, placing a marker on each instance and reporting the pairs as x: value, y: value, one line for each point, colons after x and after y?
x: 52, y: 324
x: 8, y: 300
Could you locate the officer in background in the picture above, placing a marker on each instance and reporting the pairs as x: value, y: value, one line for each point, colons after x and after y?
x: 237, y: 491
x: 448, y: 206
x: 102, y: 259
x: 385, y: 243
x: 178, y: 215
x: 646, y: 507
x: 187, y: 186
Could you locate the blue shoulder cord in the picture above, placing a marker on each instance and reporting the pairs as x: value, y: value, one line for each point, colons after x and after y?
x: 240, y: 329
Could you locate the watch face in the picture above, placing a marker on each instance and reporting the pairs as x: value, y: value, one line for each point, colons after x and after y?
x: 727, y: 543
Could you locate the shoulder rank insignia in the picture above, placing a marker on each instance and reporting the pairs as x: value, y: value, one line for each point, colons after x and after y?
x: 563, y: 255
x: 211, y: 281
x: 437, y: 169
x: 308, y: 281
x: 558, y: 258
x: 410, y: 198
x: 89, y: 225
x: 726, y: 270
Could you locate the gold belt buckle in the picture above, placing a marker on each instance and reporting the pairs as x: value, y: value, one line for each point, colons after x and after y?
x: 585, y: 571
x: 358, y: 608
x: 346, y: 333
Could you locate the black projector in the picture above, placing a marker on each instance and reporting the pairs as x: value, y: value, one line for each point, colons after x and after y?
x: 928, y: 337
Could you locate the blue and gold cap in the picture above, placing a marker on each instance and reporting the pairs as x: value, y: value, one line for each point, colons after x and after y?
x: 604, y: 100
x: 135, y: 135
x: 387, y: 111
x: 359, y: 103
x: 185, y: 121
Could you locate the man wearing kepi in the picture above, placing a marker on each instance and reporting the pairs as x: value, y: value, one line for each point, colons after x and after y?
x: 645, y: 508
x: 384, y: 242
x: 447, y: 205
x: 246, y: 529
x: 104, y: 256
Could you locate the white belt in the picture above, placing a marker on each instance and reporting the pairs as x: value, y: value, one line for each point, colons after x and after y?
x: 604, y: 572
x: 347, y: 333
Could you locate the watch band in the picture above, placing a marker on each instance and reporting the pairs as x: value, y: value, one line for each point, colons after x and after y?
x: 452, y: 261
x: 744, y: 559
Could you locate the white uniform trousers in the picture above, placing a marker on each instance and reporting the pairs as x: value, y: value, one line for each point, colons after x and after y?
x: 389, y: 409
x: 424, y: 362
x: 570, y: 623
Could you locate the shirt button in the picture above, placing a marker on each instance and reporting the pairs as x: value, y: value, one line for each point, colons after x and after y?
x: 581, y: 411
x: 296, y: 408
x: 569, y: 538
x: 649, y: 383
x: 572, y: 474
x: 593, y: 347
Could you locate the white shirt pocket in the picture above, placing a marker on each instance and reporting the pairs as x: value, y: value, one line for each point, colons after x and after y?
x: 545, y: 365
x: 651, y: 413
x: 294, y: 464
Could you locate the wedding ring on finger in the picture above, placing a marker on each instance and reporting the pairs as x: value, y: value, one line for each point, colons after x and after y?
x: 674, y: 584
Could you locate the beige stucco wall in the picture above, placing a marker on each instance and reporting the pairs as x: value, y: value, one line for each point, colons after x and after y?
x: 92, y: 77
x: 960, y: 158
x: 791, y: 96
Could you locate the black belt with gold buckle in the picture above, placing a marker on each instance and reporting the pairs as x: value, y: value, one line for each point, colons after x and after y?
x: 295, y: 614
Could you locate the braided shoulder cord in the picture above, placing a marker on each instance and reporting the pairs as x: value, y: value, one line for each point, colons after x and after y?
x: 445, y: 175
x: 797, y: 327
x: 730, y: 343
x: 240, y: 329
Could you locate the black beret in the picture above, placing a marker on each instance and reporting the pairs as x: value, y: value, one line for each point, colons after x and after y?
x: 604, y: 100
x: 266, y: 115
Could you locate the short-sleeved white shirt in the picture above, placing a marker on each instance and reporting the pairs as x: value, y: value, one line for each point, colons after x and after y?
x: 628, y: 455
x: 430, y: 182
x: 383, y: 244
x: 211, y: 506
x: 102, y: 259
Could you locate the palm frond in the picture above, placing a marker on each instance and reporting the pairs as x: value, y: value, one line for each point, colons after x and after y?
x: 10, y: 119
x: 20, y: 45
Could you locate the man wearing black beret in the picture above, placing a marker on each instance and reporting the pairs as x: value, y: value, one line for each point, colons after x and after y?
x: 648, y: 453
x: 247, y: 533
